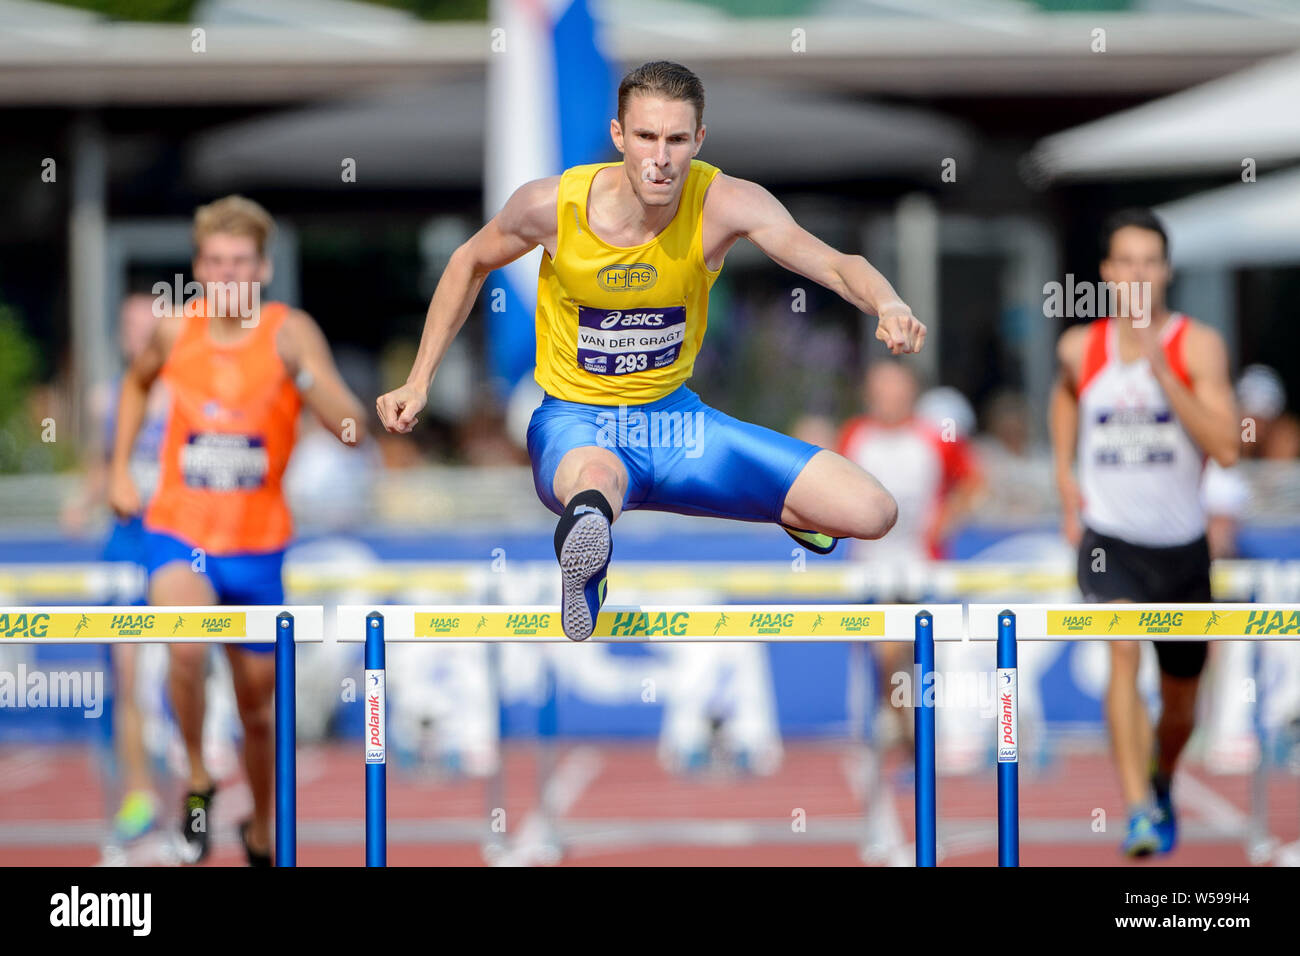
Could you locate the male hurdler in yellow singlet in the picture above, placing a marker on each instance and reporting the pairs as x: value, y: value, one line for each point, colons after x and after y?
x: 631, y: 251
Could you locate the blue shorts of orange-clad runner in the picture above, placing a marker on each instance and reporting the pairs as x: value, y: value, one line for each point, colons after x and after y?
x: 253, y: 578
x: 680, y: 455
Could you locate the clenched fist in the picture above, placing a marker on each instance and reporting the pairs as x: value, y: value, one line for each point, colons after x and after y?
x: 398, y: 408
x: 899, y: 329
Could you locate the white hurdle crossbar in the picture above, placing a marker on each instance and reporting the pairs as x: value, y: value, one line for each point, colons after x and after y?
x: 661, y: 624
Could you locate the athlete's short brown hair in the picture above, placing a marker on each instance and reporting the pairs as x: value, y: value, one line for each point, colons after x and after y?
x: 665, y: 79
x: 236, y: 216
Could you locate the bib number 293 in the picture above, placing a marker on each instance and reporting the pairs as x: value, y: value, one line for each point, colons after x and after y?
x: 629, y: 363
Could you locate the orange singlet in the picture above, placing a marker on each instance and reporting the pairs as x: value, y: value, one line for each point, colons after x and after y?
x: 231, y: 428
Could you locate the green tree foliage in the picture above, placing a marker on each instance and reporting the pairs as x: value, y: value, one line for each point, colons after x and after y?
x: 18, y: 366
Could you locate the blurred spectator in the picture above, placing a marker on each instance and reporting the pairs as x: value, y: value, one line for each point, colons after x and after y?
x: 1006, y: 418
x: 932, y: 474
x: 330, y: 485
x: 816, y: 430
x: 482, y: 438
x: 523, y: 401
x: 398, y: 451
x: 1019, y: 477
x: 948, y: 411
x: 136, y: 325
x: 1262, y: 399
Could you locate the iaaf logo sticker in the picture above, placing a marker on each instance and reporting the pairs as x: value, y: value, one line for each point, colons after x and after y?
x: 1008, y: 748
x: 375, y: 749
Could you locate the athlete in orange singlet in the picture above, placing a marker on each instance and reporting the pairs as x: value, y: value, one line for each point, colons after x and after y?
x: 218, y: 525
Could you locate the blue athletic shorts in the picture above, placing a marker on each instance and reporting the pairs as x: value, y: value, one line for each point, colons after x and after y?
x: 253, y: 578
x: 126, y: 542
x: 680, y: 455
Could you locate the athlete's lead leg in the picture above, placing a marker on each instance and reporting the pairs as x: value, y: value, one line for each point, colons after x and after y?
x: 591, y: 482
x: 836, y: 497
x: 178, y: 584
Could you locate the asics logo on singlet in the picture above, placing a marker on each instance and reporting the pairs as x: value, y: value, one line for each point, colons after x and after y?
x: 629, y: 320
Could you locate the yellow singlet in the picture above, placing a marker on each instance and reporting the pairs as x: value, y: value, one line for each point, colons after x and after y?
x: 621, y: 325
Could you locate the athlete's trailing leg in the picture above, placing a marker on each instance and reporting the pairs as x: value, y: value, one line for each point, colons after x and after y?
x: 837, y: 498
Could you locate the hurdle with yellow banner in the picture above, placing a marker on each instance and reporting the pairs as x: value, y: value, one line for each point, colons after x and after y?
x: 282, y: 626
x: 1008, y: 624
x: 377, y: 625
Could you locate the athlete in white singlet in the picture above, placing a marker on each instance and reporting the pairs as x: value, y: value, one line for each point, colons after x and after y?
x: 1142, y: 400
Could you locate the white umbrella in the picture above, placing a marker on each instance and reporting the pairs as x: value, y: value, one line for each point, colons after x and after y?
x: 1255, y: 224
x: 1212, y: 127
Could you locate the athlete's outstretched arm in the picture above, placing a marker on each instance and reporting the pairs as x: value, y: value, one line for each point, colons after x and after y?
x: 524, y: 222
x: 747, y: 209
x: 1063, y: 425
x: 307, y: 356
x: 123, y: 496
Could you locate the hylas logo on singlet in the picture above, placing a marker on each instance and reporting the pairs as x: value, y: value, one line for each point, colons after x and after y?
x: 620, y: 341
x: 624, y: 278
x: 224, y: 462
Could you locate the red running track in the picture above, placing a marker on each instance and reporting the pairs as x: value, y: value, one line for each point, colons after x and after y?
x: 622, y: 809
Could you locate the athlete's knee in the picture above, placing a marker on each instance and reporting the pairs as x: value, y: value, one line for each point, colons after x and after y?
x: 1178, y: 700
x: 255, y: 716
x: 600, y: 475
x: 187, y: 662
x: 1125, y: 657
x: 1177, y: 720
x: 875, y: 514
x: 179, y: 583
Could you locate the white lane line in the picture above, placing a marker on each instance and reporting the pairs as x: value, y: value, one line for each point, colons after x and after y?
x: 26, y: 768
x: 884, y: 841
x: 535, y: 841
x: 1216, y: 810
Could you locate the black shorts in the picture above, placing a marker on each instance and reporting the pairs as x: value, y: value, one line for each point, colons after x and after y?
x: 1176, y: 575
